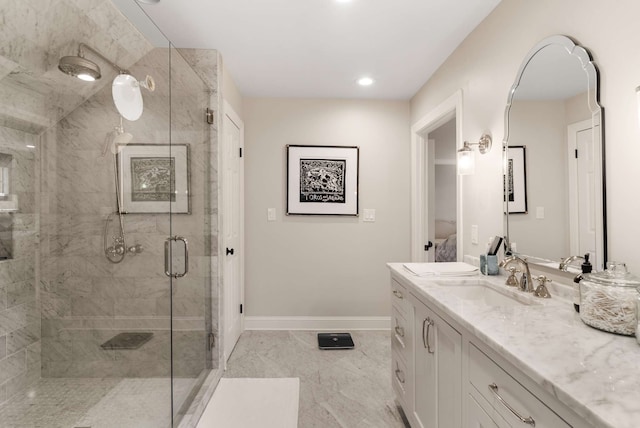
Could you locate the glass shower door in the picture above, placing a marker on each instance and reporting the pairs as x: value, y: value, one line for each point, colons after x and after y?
x: 191, y: 235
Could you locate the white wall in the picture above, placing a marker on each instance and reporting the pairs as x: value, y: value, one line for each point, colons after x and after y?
x: 485, y: 65
x: 324, y: 266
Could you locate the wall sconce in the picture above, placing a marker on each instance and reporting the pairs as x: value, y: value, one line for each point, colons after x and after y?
x: 466, y: 155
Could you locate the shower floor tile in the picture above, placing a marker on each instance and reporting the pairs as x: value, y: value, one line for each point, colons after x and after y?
x: 95, y: 403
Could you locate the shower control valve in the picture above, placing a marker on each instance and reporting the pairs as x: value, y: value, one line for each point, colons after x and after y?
x: 116, y: 250
x: 136, y: 249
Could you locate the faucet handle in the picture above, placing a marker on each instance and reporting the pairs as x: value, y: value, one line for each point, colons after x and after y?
x: 512, y: 281
x: 541, y: 289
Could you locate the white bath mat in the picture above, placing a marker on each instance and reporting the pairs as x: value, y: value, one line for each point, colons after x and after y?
x: 253, y: 403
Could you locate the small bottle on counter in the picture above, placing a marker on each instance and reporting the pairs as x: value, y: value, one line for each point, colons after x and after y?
x: 586, y: 268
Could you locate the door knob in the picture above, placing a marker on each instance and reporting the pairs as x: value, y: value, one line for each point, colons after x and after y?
x: 229, y: 251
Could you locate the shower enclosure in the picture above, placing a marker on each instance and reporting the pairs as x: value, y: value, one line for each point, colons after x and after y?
x: 108, y: 227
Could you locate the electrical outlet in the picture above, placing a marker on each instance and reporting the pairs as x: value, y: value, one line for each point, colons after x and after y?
x: 474, y: 234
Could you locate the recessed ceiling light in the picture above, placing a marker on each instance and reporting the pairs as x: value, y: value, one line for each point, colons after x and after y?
x: 148, y: 1
x: 343, y: 1
x: 365, y: 81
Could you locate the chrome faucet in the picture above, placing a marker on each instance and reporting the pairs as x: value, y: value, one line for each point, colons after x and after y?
x: 564, y: 264
x: 526, y: 283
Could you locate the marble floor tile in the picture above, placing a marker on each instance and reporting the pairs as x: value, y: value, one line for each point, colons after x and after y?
x: 96, y: 403
x: 338, y: 388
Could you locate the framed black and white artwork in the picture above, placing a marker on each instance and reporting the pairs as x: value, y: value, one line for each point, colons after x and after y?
x: 154, y: 178
x: 516, y: 180
x: 322, y: 180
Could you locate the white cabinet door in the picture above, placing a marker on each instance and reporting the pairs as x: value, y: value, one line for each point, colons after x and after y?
x: 424, y: 407
x: 438, y: 377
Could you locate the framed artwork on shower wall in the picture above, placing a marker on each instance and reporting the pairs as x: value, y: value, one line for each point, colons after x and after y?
x: 322, y: 180
x: 516, y: 180
x: 154, y: 178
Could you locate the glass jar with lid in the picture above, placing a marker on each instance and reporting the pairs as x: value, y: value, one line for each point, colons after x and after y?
x: 608, y: 299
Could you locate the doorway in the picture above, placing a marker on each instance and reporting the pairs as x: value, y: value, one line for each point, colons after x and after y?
x: 436, y: 197
x: 442, y: 193
x: 232, y: 248
x: 582, y: 169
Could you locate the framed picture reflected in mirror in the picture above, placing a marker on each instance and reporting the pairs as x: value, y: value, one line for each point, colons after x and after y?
x: 516, y: 180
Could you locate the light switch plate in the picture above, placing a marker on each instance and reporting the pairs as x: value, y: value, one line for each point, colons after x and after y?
x: 539, y: 212
x: 271, y: 214
x: 369, y: 214
x: 474, y: 234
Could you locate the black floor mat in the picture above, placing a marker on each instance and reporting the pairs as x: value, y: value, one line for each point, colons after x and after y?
x: 335, y: 341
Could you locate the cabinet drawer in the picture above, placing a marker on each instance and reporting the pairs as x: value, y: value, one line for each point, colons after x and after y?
x: 400, y: 299
x: 479, y: 418
x: 501, y: 391
x: 401, y: 334
x: 400, y: 378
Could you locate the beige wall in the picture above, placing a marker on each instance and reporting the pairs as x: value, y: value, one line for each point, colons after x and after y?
x: 484, y: 66
x: 541, y: 127
x: 230, y: 91
x: 324, y: 266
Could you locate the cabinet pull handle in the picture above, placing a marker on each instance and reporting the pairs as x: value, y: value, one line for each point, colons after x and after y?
x: 398, y: 294
x: 429, y: 324
x: 400, y: 378
x: 424, y: 343
x: 399, y: 331
x: 529, y: 420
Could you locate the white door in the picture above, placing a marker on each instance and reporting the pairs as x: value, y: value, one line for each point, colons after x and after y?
x: 425, y: 387
x: 231, y: 251
x: 582, y: 190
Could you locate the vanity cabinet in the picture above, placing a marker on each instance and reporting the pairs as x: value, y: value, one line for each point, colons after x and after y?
x: 402, y: 343
x: 438, y: 378
x: 446, y: 377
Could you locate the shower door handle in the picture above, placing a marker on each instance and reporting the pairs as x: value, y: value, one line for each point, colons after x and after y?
x: 167, y: 245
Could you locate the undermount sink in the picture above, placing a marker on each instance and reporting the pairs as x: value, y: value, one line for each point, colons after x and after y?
x: 480, y: 292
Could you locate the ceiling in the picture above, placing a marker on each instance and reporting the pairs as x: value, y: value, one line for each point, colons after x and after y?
x: 319, y: 48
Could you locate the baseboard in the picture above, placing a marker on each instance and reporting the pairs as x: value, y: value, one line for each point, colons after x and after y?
x: 317, y: 323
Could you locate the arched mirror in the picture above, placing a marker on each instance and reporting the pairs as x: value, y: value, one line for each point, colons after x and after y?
x: 554, y: 156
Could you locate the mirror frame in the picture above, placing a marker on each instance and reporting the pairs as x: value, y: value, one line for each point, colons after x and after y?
x: 597, y: 117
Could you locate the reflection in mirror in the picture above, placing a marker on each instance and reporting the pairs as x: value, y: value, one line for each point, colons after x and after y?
x: 558, y: 176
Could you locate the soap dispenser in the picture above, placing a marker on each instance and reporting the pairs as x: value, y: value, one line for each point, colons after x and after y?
x: 586, y: 268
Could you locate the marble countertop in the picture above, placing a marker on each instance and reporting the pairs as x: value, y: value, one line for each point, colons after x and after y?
x: 594, y: 373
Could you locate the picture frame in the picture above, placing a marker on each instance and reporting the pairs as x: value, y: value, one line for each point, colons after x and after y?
x: 322, y: 180
x: 516, y: 180
x: 154, y: 178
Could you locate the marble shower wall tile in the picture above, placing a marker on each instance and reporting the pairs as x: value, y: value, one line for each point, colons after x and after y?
x: 35, y: 95
x: 105, y: 299
x: 58, y: 320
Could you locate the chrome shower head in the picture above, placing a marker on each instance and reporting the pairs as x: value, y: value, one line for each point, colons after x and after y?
x: 80, y: 67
